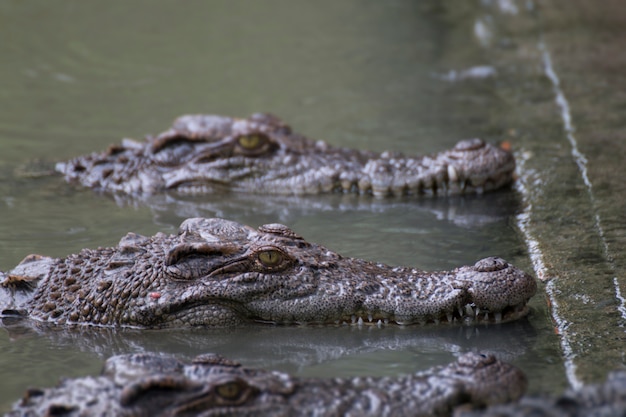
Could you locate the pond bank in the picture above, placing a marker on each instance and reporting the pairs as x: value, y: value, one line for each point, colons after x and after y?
x: 564, y: 69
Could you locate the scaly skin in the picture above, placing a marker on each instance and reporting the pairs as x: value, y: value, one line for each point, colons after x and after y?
x: 260, y: 154
x: 216, y: 272
x: 598, y: 400
x: 159, y: 385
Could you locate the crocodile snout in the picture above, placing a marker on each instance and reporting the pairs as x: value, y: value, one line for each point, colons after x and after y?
x: 490, y: 264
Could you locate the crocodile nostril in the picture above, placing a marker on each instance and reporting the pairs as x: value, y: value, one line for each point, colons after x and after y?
x: 491, y: 264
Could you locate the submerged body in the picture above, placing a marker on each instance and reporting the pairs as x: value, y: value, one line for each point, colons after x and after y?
x: 260, y: 154
x: 147, y: 384
x: 216, y: 272
x: 596, y: 400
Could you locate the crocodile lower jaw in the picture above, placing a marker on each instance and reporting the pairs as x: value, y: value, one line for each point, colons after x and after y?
x: 467, y: 315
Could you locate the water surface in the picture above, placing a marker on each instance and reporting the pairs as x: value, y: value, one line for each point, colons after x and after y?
x: 77, y: 76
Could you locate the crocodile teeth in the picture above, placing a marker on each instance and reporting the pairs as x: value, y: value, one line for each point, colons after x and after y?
x: 360, y: 322
x: 379, y: 323
x: 369, y: 318
x: 468, y: 310
x: 452, y: 174
x: 450, y: 317
x: 353, y: 319
x: 498, y: 316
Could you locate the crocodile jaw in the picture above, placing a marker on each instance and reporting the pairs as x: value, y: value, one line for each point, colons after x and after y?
x: 491, y: 291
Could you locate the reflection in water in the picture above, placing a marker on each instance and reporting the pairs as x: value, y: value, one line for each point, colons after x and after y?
x: 292, y: 348
x: 469, y: 211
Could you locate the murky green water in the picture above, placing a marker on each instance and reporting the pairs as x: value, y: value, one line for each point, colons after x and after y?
x: 77, y: 76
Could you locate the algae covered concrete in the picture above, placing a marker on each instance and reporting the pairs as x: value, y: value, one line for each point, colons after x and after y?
x: 562, y: 74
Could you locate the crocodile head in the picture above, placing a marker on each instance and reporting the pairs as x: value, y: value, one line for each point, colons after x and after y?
x: 224, y: 386
x: 260, y: 154
x: 216, y: 272
x: 159, y: 385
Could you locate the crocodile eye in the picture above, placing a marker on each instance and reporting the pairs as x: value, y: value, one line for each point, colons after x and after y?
x: 270, y: 257
x: 249, y: 141
x: 229, y: 390
x: 252, y: 141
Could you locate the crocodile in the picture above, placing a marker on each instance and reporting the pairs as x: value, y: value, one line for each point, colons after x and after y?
x: 148, y: 384
x: 200, y: 154
x: 607, y: 399
x: 216, y: 272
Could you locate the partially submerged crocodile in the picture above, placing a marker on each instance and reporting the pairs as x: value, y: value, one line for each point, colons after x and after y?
x: 216, y: 272
x: 260, y: 154
x: 597, y: 400
x: 158, y: 385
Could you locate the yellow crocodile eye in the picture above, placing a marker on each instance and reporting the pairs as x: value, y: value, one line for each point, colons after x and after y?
x: 270, y: 257
x: 229, y: 390
x: 251, y: 141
